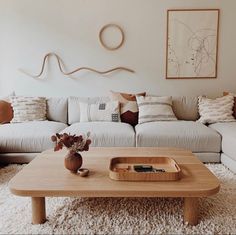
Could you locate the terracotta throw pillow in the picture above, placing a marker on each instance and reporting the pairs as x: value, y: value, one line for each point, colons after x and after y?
x: 128, y: 106
x: 234, y: 108
x: 6, y: 112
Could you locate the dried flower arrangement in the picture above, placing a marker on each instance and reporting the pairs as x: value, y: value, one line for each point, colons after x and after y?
x: 73, y: 143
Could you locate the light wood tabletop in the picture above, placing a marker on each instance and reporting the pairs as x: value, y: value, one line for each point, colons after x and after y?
x: 46, y: 176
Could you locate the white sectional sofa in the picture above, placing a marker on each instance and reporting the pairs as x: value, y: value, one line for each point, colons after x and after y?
x: 228, y: 144
x: 20, y: 142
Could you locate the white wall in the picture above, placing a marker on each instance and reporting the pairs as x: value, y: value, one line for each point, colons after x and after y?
x: 31, y: 28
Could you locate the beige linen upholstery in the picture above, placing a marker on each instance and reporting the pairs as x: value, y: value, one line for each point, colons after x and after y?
x: 74, y: 107
x: 105, y: 134
x: 183, y: 134
x: 185, y: 108
x: 57, y: 109
x: 208, y: 157
x: 229, y: 162
x: 228, y: 133
x: 28, y: 137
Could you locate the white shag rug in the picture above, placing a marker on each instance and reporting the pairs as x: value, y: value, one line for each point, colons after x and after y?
x: 119, y: 215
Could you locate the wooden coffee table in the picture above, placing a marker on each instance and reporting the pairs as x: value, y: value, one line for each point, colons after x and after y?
x: 46, y: 176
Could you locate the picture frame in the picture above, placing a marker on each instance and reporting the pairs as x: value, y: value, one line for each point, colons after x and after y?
x: 192, y: 43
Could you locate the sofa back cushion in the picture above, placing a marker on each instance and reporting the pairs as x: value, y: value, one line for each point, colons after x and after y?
x: 74, y: 106
x: 57, y: 109
x: 185, y: 108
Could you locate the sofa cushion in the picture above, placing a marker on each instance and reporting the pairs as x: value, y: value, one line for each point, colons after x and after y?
x: 74, y: 107
x: 185, y: 108
x: 29, y: 137
x: 228, y: 162
x: 105, y: 134
x: 228, y: 133
x: 57, y: 109
x: 183, y: 134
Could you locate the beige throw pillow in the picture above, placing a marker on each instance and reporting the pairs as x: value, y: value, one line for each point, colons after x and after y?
x: 152, y: 108
x: 216, y: 110
x: 28, y: 109
x: 109, y: 111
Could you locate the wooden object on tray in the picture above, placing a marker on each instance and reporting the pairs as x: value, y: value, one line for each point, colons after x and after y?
x: 122, y: 168
x: 46, y: 176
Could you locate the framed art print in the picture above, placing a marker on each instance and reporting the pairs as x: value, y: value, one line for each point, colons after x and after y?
x: 192, y: 43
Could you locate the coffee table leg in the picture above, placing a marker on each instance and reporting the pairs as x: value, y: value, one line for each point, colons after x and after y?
x: 191, y: 210
x: 38, y: 210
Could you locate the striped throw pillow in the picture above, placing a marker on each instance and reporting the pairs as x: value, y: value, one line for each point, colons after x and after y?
x: 28, y: 109
x: 152, y: 108
x: 216, y: 110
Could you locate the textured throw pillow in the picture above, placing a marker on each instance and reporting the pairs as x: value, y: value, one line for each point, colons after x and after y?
x: 128, y: 106
x: 109, y: 112
x: 28, y: 108
x: 234, y: 108
x: 152, y: 108
x: 216, y: 110
x: 6, y: 112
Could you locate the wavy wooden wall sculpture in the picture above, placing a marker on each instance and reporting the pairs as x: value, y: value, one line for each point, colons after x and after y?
x: 60, y: 63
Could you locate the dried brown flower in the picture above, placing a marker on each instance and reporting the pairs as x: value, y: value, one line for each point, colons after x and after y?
x: 71, y: 142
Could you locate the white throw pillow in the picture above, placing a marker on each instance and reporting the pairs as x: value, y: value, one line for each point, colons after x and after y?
x: 153, y: 108
x: 109, y: 111
x: 216, y: 110
x: 28, y: 109
x: 74, y: 107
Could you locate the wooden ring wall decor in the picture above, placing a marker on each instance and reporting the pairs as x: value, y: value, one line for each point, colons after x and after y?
x: 102, y: 41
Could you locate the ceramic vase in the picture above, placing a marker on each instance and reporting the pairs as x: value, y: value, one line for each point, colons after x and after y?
x: 73, y: 161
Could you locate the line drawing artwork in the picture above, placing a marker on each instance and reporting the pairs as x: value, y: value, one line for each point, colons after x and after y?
x: 192, y: 44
